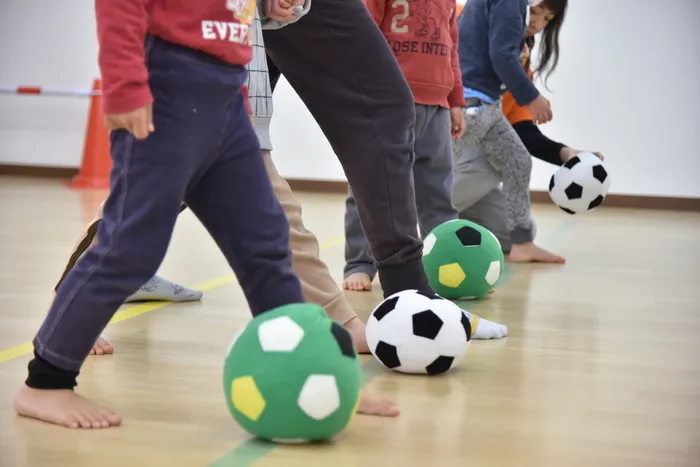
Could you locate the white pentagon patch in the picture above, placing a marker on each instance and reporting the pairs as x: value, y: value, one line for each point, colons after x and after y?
x: 319, y: 398
x: 280, y: 335
x: 428, y: 244
x: 494, y: 272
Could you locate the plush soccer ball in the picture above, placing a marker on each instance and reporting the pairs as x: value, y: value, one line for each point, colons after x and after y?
x: 413, y: 332
x: 580, y: 185
x: 462, y: 259
x: 293, y: 375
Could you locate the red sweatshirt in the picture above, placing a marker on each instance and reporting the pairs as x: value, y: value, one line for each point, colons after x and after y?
x: 423, y: 35
x: 216, y: 27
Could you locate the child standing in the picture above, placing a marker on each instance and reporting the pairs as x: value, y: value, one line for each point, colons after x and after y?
x: 490, y: 210
x: 317, y: 284
x: 423, y: 37
x: 491, y: 37
x: 172, y: 96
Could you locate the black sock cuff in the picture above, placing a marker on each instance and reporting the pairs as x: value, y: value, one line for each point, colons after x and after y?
x: 44, y: 375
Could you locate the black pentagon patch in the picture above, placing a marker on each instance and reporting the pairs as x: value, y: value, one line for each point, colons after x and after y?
x: 342, y: 337
x: 572, y: 162
x: 427, y: 324
x: 551, y: 183
x: 469, y: 236
x: 599, y: 173
x: 574, y: 191
x: 467, y: 325
x: 568, y: 211
x: 386, y: 307
x: 440, y: 365
x: 596, y: 202
x: 431, y: 295
x: 386, y: 353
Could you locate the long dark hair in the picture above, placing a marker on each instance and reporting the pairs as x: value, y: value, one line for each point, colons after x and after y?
x: 549, y: 42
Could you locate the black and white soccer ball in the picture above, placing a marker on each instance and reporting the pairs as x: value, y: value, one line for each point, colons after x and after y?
x: 414, y: 332
x: 580, y: 185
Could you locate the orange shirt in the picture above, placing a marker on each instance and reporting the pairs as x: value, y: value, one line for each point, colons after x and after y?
x: 512, y: 111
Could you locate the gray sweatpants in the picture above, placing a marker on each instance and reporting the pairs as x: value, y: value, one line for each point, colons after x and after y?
x: 491, y: 152
x: 432, y: 175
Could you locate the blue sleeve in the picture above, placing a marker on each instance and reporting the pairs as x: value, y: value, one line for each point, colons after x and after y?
x: 268, y: 23
x: 506, y: 35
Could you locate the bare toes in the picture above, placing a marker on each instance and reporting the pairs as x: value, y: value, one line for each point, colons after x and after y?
x: 83, y: 421
x: 110, y: 418
x: 73, y: 422
x: 93, y: 419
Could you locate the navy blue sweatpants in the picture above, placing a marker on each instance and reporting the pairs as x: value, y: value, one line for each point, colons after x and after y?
x: 203, y: 151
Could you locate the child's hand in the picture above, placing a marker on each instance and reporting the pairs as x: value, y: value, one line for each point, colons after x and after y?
x: 540, y: 109
x: 282, y: 10
x: 138, y: 122
x: 567, y: 153
x: 458, y: 122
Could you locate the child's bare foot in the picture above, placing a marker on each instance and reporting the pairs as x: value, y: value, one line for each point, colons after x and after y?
x: 102, y: 347
x: 531, y: 253
x: 371, y: 404
x: 63, y: 407
x: 358, y: 281
x: 356, y: 328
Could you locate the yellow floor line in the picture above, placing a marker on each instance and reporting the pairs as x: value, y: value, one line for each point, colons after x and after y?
x: 134, y: 310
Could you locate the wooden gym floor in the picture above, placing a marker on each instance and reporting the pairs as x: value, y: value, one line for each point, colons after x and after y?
x: 600, y: 367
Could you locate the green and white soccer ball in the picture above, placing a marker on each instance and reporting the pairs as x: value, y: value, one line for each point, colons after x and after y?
x: 293, y: 375
x: 462, y: 260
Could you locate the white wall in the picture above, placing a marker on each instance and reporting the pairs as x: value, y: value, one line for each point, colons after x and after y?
x: 626, y: 85
x: 45, y: 43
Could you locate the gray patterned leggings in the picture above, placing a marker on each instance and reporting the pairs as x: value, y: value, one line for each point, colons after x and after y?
x: 490, y: 153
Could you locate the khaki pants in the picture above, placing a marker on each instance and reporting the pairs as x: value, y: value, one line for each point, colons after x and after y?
x: 317, y: 283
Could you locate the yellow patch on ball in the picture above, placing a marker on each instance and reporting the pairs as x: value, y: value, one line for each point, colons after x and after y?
x: 451, y: 275
x: 246, y: 397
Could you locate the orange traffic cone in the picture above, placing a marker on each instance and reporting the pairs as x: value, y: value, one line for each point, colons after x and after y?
x: 96, y: 163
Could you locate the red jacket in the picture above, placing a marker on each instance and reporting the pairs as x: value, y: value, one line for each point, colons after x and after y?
x: 216, y: 27
x: 423, y: 35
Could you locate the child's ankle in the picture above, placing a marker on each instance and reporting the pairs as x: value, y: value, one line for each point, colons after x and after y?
x: 44, y: 375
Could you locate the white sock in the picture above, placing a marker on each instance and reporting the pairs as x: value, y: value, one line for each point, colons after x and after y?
x: 485, y: 329
x: 159, y: 289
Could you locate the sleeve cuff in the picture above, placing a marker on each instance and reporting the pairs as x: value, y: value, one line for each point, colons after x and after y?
x: 526, y: 94
x: 127, y: 98
x: 456, y: 98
